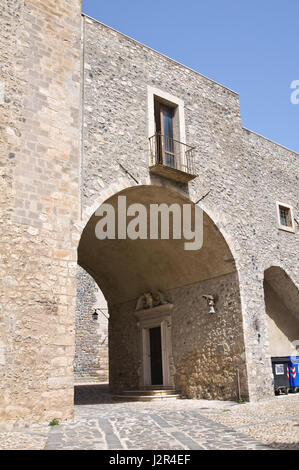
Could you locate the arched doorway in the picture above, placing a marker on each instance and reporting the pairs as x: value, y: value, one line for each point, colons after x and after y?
x: 91, y: 335
x: 202, y: 354
x: 282, y: 308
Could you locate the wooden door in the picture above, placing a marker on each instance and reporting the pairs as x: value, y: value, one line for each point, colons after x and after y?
x: 165, y: 151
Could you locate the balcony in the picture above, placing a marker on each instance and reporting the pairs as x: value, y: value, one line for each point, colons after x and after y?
x: 171, y: 159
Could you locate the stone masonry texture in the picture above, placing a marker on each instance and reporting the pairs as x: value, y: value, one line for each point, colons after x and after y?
x: 91, y: 356
x: 39, y: 142
x: 243, y: 173
x: 207, y: 349
x: 74, y: 108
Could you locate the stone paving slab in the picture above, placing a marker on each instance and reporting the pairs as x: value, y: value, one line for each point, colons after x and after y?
x: 102, y: 423
x: 119, y: 426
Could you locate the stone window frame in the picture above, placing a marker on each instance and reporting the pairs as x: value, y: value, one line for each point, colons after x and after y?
x: 172, y: 101
x: 286, y: 228
x: 151, y: 318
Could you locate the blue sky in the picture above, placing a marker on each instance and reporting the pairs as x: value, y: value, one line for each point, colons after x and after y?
x: 248, y: 46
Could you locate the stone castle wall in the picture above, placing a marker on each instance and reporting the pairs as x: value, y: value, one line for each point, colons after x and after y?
x: 46, y: 186
x: 39, y: 141
x: 208, y: 350
x: 244, y: 174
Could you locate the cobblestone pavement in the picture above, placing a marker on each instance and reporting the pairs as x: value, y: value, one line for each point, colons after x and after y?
x: 123, y: 427
x: 275, y: 422
x: 25, y: 439
x: 100, y: 423
x: 163, y: 425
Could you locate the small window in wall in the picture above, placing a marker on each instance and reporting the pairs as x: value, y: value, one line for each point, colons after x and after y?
x: 285, y: 217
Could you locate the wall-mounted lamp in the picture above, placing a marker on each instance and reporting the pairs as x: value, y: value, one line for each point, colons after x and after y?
x: 211, y: 299
x: 95, y: 315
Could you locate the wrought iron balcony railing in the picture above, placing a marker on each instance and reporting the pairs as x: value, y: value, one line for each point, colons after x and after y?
x: 172, y: 154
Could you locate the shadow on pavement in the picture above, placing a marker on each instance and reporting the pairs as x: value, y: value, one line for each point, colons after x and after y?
x: 92, y: 394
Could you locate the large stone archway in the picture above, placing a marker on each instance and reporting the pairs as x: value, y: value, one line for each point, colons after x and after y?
x: 207, y: 357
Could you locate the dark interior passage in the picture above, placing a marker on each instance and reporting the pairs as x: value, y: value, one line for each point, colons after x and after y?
x: 156, y: 356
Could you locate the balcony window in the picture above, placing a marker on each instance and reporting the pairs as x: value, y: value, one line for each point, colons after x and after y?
x: 170, y: 157
x: 164, y: 121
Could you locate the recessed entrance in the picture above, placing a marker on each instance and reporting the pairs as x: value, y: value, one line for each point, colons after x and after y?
x: 174, y: 344
x: 156, y: 356
x: 155, y: 349
x: 281, y: 300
